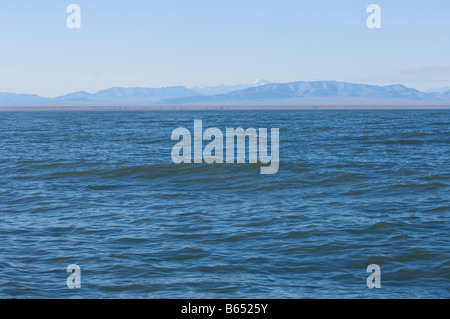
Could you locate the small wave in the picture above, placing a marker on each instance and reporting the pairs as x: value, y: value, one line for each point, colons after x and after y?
x: 103, y: 187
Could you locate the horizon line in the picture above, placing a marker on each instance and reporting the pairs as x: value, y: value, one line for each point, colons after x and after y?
x: 221, y: 108
x: 212, y: 86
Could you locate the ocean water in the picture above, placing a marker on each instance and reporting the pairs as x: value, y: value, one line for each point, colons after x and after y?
x: 99, y: 189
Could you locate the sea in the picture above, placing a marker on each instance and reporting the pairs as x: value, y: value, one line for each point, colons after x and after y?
x: 99, y: 189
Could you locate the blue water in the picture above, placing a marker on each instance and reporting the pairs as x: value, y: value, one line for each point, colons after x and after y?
x: 99, y: 189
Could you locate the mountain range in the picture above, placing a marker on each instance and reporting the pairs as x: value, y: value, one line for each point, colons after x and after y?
x: 222, y: 89
x: 259, y: 93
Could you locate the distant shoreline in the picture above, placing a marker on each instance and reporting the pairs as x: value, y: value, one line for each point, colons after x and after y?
x: 221, y: 107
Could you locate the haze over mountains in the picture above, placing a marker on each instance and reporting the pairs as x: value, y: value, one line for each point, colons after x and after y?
x: 258, y: 93
x: 124, y: 96
x: 222, y: 89
x: 439, y: 90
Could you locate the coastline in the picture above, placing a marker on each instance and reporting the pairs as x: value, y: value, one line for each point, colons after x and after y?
x: 220, y: 107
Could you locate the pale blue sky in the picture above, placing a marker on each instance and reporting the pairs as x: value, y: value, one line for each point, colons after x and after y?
x: 178, y: 42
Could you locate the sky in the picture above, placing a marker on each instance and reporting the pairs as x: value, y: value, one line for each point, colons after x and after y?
x: 138, y: 43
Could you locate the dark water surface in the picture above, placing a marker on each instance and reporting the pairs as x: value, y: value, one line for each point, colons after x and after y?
x: 99, y: 189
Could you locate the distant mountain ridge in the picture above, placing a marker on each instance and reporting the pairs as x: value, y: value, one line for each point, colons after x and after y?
x: 119, y: 95
x: 222, y: 89
x: 292, y: 93
x: 318, y: 92
x: 12, y: 99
